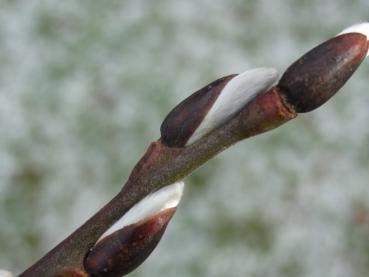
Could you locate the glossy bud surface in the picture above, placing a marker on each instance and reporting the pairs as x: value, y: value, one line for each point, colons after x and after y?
x: 124, y: 250
x: 319, y: 74
x: 182, y: 121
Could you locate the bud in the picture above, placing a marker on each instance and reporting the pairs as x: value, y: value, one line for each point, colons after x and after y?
x: 213, y: 105
x: 183, y: 120
x: 125, y: 245
x: 319, y: 74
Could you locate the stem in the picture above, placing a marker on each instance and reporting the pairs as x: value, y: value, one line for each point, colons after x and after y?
x: 160, y: 166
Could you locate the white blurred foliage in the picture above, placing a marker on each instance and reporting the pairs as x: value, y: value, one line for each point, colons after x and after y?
x: 84, y: 87
x: 5, y: 273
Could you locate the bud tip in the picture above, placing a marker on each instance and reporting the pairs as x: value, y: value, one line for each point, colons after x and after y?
x: 361, y: 28
x: 160, y: 200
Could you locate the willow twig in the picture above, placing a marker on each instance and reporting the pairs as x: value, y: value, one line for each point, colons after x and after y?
x: 307, y: 84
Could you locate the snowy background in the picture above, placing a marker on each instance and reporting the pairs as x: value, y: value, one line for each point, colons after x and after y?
x: 85, y: 85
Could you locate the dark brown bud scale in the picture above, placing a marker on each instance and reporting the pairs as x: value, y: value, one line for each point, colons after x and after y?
x: 124, y: 250
x: 183, y: 120
x: 319, y: 74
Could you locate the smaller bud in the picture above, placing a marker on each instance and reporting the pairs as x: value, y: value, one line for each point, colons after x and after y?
x: 125, y: 245
x: 314, y: 78
x: 213, y: 105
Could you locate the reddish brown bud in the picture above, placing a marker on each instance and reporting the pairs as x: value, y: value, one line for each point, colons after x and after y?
x: 124, y: 250
x: 183, y: 120
x: 213, y: 105
x: 319, y: 74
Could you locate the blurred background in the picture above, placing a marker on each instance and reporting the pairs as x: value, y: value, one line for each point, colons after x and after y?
x: 85, y: 85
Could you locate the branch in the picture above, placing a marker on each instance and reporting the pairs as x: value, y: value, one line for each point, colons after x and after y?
x: 307, y: 84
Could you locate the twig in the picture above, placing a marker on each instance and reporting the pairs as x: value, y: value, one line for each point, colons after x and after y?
x: 306, y: 85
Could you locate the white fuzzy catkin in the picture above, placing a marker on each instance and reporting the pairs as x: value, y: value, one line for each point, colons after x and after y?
x: 5, y: 273
x: 160, y: 200
x: 236, y: 94
x: 362, y: 28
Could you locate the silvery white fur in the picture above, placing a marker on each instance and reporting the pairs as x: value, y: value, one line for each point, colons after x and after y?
x: 160, y: 200
x: 362, y: 28
x: 235, y: 95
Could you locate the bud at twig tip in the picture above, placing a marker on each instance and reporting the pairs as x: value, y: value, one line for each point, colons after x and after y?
x: 315, y: 77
